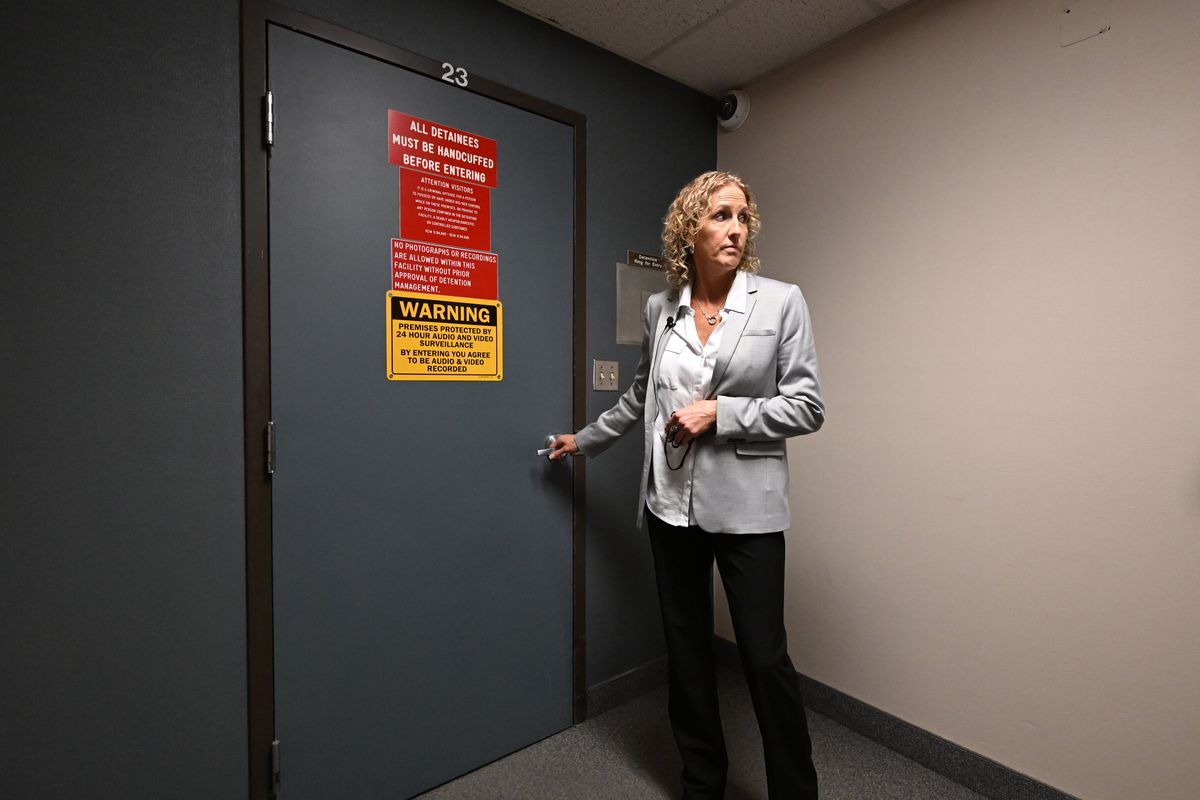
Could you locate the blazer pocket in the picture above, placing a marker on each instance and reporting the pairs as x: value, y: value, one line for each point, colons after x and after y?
x: 775, y: 449
x: 759, y: 332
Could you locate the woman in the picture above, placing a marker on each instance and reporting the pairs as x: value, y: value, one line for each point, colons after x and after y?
x: 728, y: 372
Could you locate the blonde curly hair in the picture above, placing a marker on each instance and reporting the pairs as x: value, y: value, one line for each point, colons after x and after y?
x: 685, y: 216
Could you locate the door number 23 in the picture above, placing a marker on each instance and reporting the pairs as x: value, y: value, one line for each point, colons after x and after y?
x: 453, y: 74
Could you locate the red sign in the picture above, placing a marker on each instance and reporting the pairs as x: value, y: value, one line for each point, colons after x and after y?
x: 433, y: 269
x: 415, y: 143
x: 439, y: 211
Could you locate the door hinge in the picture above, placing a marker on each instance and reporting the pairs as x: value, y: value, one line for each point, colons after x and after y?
x: 275, y: 768
x: 269, y: 118
x: 269, y: 441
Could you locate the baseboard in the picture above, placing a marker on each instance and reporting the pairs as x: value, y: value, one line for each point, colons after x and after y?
x: 626, y: 686
x: 944, y: 757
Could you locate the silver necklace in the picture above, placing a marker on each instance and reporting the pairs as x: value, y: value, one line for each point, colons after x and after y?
x: 710, y: 318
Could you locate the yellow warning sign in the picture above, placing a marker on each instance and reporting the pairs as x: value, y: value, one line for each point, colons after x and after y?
x: 440, y: 338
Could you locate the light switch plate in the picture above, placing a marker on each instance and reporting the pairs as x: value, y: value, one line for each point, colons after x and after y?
x: 605, y: 375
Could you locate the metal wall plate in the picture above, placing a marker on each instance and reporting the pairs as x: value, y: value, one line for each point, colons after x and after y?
x: 605, y: 375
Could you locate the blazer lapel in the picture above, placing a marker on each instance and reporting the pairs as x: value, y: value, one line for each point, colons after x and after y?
x: 670, y: 305
x: 733, y: 334
x: 668, y: 309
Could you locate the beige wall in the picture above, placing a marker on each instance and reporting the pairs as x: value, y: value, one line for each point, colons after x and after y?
x: 997, y: 535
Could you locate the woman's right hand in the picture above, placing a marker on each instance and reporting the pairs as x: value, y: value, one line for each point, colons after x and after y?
x: 564, y: 445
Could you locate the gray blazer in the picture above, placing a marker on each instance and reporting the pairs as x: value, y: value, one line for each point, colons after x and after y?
x: 767, y: 388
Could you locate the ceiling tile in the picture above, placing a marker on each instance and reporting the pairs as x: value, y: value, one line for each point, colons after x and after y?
x: 632, y: 28
x: 756, y: 37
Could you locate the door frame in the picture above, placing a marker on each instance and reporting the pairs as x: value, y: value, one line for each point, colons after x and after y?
x: 256, y: 16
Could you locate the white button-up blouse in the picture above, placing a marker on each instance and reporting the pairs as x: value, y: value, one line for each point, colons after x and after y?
x: 684, y: 376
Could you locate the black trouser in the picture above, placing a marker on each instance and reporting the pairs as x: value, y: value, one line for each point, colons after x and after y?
x: 751, y: 567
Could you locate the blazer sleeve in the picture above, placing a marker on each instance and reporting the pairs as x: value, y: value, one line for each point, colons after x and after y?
x: 597, y: 437
x: 796, y: 408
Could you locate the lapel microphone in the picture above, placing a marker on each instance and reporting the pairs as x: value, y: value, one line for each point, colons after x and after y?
x: 672, y: 319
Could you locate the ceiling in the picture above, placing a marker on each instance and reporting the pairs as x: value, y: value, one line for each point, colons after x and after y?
x: 710, y: 45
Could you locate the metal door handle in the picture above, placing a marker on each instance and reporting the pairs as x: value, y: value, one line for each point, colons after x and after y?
x: 549, y: 448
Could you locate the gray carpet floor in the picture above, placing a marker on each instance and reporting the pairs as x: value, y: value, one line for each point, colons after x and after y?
x: 628, y: 753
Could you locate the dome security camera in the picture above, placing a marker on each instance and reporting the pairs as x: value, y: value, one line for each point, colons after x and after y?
x: 732, y: 109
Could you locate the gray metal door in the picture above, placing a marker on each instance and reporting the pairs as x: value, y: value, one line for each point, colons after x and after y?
x: 422, y: 554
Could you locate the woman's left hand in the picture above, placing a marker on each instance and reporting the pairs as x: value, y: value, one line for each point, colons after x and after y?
x: 690, y: 421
